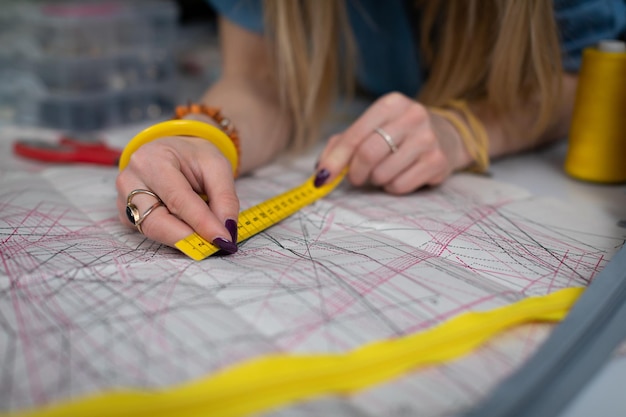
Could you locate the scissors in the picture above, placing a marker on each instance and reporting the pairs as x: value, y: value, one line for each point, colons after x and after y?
x: 67, y: 150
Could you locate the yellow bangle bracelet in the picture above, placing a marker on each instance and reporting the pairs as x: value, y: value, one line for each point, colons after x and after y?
x: 183, y: 128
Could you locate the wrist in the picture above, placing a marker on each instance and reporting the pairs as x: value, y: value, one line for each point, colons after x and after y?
x: 212, y: 116
x: 451, y: 142
x: 470, y: 130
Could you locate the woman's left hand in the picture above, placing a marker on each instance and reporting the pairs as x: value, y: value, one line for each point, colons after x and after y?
x: 421, y: 148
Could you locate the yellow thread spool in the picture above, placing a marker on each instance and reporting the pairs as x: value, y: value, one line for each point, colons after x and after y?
x: 597, y: 140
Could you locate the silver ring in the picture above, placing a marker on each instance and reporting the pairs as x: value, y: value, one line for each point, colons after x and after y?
x: 387, y: 139
x: 132, y: 212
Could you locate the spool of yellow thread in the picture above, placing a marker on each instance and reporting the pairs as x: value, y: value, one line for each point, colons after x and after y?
x: 597, y: 140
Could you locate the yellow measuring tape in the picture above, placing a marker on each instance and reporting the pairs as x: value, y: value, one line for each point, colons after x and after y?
x: 251, y: 221
x: 277, y: 380
x: 260, y: 217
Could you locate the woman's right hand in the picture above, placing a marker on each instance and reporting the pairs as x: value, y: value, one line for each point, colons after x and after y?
x: 178, y: 170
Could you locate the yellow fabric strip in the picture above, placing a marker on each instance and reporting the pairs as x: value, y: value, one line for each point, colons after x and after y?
x: 278, y: 380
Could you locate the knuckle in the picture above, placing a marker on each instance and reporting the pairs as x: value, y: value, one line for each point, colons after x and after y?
x: 202, y: 224
x: 222, y: 163
x: 150, y: 226
x: 418, y: 110
x: 149, y: 156
x: 393, y: 99
x: 415, y: 114
x: 439, y: 159
x: 140, y: 157
x: 120, y: 181
x: 229, y: 199
x: 368, y: 155
x: 175, y: 202
x: 350, y: 142
x: 356, y: 177
x: 153, y: 225
x: 429, y: 138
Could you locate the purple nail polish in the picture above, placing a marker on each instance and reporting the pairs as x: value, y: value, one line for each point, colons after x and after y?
x: 225, y: 245
x: 231, y: 226
x: 321, y: 177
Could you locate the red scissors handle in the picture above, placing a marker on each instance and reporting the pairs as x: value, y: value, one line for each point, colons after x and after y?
x: 67, y: 150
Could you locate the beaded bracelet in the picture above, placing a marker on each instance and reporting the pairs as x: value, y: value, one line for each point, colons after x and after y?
x: 474, y: 136
x: 214, y: 113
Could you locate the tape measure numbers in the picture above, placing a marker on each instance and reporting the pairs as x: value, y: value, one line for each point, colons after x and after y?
x: 258, y: 218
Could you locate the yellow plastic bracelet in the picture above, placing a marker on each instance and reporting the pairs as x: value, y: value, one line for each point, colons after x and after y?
x: 183, y: 128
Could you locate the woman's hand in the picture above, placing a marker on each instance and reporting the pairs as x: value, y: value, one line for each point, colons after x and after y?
x: 424, y: 149
x: 178, y: 169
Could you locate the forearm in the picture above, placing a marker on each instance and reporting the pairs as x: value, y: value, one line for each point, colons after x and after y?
x: 247, y: 95
x: 255, y: 112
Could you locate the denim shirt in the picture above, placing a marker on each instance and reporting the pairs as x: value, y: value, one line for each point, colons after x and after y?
x: 384, y: 36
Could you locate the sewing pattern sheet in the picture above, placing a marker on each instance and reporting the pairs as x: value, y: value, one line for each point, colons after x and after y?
x: 87, y: 304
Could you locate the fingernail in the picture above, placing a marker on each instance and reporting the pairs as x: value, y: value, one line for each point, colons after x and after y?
x: 231, y: 226
x: 321, y: 177
x: 225, y: 245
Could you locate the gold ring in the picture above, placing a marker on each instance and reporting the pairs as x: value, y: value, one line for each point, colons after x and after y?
x: 387, y: 139
x: 132, y: 212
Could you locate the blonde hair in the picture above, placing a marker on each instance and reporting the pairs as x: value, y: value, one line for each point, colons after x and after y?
x: 306, y: 38
x: 503, y: 53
